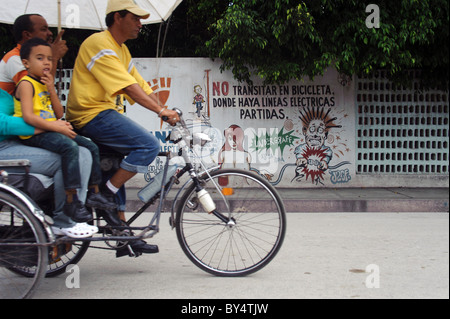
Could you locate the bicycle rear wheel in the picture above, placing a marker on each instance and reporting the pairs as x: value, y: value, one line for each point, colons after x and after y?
x: 59, y: 258
x: 63, y: 255
x: 22, y: 239
x: 251, y: 238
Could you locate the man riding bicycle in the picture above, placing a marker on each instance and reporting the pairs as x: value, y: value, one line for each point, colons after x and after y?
x: 103, y: 76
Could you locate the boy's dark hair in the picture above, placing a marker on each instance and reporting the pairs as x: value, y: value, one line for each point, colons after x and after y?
x: 110, y: 17
x: 30, y: 44
x: 23, y: 23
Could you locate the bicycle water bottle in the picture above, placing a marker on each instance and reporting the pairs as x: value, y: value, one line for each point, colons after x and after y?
x: 154, y: 186
x: 206, y: 201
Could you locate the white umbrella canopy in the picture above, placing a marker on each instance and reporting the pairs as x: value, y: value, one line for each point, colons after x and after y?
x: 80, y: 14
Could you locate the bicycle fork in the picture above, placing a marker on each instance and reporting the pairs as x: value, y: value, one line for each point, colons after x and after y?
x: 207, y: 202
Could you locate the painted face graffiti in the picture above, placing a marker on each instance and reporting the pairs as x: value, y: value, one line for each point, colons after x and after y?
x: 313, y: 156
x: 315, y: 133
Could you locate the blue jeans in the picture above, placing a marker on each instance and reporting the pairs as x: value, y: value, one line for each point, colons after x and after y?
x: 68, y: 149
x: 49, y: 164
x: 124, y: 136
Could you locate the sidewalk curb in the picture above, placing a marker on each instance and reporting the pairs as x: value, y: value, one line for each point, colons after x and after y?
x: 365, y: 206
x: 324, y: 200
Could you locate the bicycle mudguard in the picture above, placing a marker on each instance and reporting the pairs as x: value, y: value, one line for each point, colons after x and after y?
x: 45, y: 220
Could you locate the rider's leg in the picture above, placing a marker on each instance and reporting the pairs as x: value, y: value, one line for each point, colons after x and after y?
x: 95, y: 198
x: 69, y: 151
x: 49, y: 164
x: 122, y: 200
x: 120, y: 178
x: 46, y: 163
x: 85, y: 159
x: 125, y: 136
x: 64, y: 225
x: 60, y: 219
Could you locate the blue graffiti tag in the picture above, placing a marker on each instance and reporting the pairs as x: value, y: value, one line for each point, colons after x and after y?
x: 340, y: 176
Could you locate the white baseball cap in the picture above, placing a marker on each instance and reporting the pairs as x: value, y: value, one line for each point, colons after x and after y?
x: 129, y: 5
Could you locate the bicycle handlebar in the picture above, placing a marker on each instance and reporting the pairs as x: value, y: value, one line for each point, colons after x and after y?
x: 180, y: 115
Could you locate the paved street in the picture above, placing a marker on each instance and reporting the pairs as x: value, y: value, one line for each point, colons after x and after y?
x: 325, y: 255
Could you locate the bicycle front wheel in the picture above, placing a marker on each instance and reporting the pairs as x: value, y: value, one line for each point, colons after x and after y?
x: 250, y: 232
x: 22, y: 246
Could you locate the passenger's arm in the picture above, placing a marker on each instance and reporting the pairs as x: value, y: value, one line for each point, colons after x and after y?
x: 10, y: 125
x: 49, y: 81
x: 13, y: 126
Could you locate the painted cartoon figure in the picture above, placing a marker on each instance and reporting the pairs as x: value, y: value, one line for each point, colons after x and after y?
x: 232, y: 154
x: 313, y: 156
x: 198, y: 100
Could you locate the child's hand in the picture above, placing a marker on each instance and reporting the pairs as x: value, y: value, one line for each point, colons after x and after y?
x: 65, y: 128
x: 48, y: 80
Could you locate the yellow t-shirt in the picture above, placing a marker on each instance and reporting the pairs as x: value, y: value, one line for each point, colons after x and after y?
x: 42, y: 105
x: 102, y: 70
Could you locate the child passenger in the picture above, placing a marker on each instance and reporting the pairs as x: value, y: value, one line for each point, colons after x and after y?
x: 37, y: 102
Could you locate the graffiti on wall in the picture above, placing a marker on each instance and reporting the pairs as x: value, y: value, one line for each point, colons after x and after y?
x: 313, y: 157
x: 308, y: 146
x: 295, y: 134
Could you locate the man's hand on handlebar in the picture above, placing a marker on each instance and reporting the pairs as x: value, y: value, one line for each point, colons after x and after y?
x: 170, y: 116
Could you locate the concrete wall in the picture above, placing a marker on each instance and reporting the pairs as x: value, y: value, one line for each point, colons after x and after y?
x: 301, y: 134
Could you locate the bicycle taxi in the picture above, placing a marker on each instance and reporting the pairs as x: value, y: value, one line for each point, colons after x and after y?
x: 229, y: 222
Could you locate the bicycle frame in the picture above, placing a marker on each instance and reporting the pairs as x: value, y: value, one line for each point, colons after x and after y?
x: 182, y: 136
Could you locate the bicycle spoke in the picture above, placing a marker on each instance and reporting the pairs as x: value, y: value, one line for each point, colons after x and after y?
x: 19, y: 232
x: 250, y: 238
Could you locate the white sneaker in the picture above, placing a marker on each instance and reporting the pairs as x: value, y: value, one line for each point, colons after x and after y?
x: 80, y: 230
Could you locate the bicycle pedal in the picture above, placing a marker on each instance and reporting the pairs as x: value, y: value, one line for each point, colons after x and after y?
x: 58, y: 251
x: 54, y: 255
x: 127, y: 251
x: 131, y: 251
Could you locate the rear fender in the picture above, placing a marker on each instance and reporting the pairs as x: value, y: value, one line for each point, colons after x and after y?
x: 45, y: 220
